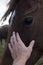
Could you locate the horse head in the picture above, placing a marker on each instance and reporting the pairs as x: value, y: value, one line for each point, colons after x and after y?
x: 28, y: 22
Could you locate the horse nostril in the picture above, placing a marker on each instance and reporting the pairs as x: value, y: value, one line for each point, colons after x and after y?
x: 28, y: 21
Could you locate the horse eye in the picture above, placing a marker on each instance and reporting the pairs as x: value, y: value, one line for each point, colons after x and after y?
x: 28, y: 21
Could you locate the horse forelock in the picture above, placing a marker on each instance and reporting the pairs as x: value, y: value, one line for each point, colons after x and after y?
x: 12, y: 6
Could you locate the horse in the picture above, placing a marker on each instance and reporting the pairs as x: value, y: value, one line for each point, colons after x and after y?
x: 28, y: 22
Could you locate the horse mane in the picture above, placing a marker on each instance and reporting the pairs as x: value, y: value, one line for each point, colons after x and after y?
x: 12, y: 5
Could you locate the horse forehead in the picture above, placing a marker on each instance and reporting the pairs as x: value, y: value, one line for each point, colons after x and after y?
x: 24, y: 6
x: 25, y: 3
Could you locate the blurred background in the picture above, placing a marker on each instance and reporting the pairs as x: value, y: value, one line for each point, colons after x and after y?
x: 4, y: 26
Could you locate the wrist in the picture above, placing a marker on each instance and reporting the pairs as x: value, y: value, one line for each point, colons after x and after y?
x: 20, y: 61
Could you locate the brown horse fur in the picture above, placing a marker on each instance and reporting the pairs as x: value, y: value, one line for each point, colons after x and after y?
x: 30, y: 9
x: 4, y: 32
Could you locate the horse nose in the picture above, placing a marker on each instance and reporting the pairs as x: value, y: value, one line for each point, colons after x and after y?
x: 28, y: 20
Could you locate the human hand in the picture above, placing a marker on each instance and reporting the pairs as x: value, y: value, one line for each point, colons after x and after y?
x: 19, y: 52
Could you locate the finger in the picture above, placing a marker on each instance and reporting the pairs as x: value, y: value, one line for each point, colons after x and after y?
x: 12, y: 51
x: 31, y: 44
x: 20, y: 41
x: 15, y: 41
x: 14, y: 38
x: 11, y: 41
x: 10, y: 48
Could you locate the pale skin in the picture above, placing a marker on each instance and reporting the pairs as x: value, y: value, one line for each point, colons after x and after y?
x: 19, y: 52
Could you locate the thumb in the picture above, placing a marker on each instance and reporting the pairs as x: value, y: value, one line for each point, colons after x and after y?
x: 31, y: 45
